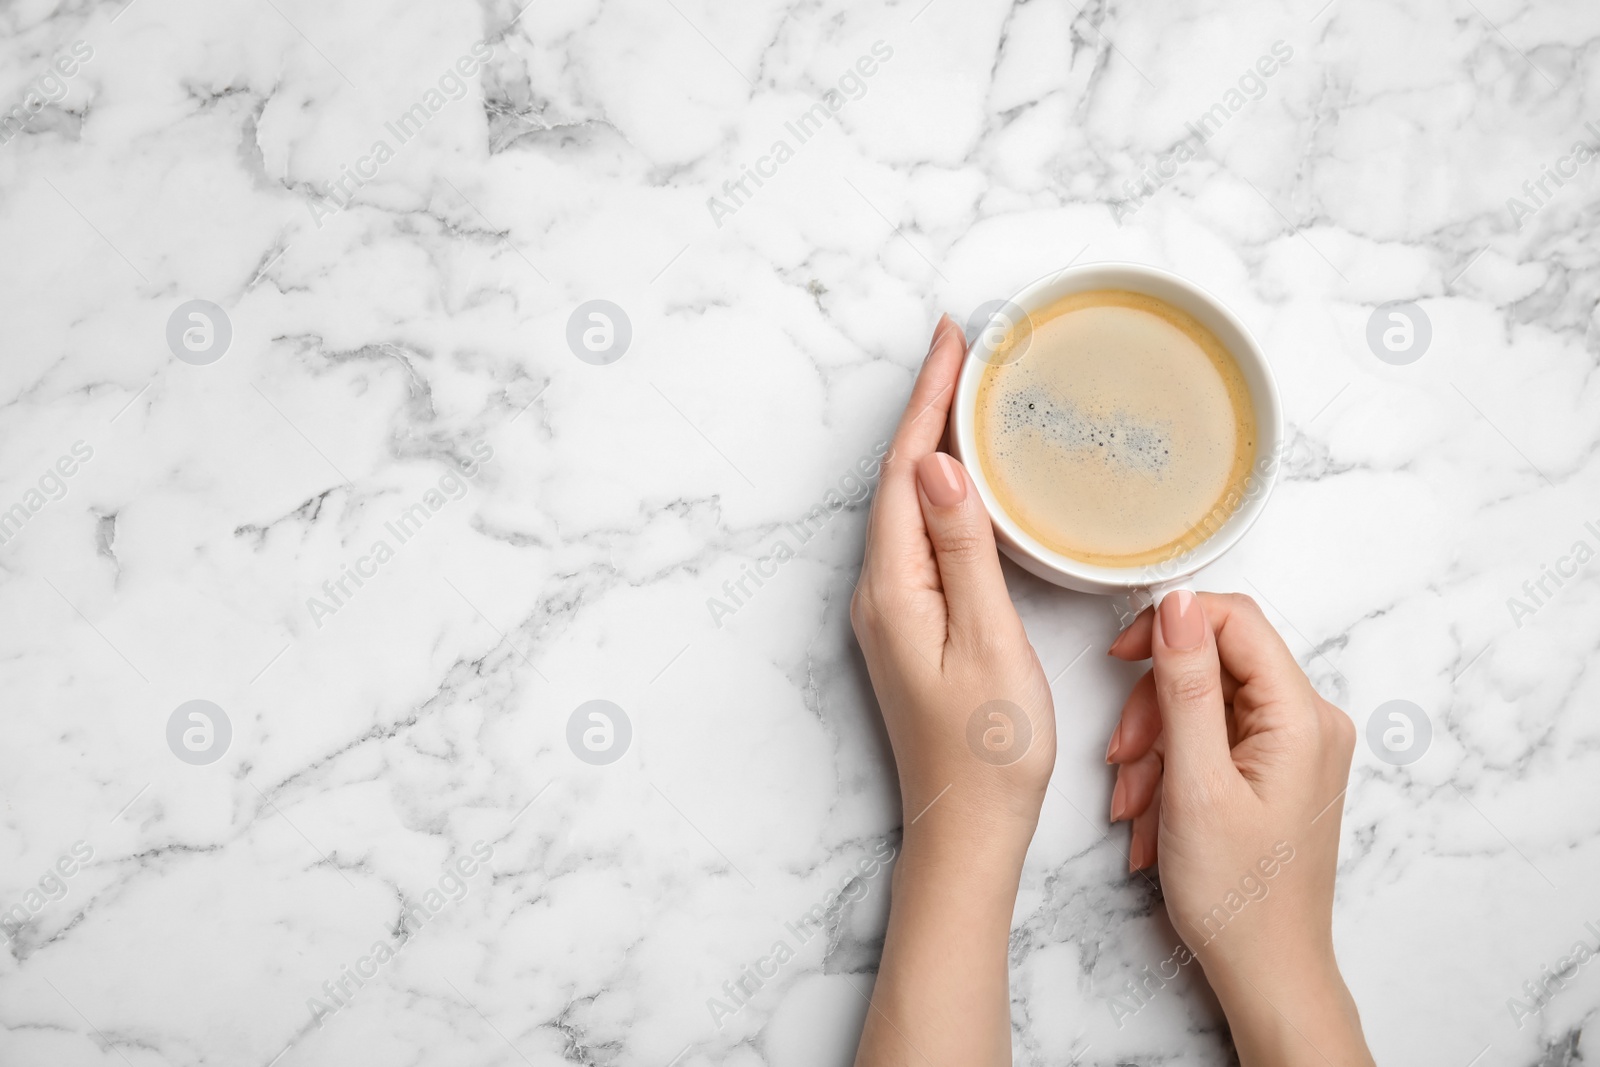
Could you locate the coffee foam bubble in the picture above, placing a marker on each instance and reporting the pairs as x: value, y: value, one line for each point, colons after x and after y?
x: 1121, y: 440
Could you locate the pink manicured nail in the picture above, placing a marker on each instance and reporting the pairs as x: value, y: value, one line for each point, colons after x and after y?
x: 1116, y: 743
x: 1136, y: 857
x: 938, y: 332
x: 1182, y: 626
x: 1119, y: 799
x: 942, y: 480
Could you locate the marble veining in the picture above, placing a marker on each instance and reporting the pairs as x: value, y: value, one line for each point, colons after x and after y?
x: 401, y: 835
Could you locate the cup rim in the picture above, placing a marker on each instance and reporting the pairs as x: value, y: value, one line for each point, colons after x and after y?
x: 1036, y: 557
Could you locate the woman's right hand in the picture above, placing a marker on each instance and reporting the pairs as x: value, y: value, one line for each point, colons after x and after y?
x: 1233, y: 770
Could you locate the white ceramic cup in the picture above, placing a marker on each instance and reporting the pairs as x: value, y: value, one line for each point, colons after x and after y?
x: 1231, y: 523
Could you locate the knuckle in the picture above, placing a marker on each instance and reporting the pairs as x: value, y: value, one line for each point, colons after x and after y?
x: 895, y: 465
x: 961, y: 545
x: 1187, y: 687
x: 993, y: 642
x: 1246, y: 603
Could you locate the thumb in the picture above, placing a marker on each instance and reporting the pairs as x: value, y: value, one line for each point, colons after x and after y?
x: 1188, y: 678
x: 963, y: 545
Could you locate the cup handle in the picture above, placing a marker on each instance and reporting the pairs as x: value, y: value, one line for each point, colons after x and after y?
x: 1128, y: 606
x: 1159, y: 591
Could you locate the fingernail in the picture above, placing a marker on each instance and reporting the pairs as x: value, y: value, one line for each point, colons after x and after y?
x: 941, y: 479
x: 1112, y: 651
x: 1135, y: 854
x: 1182, y: 627
x: 1119, y: 798
x: 1116, y: 743
x: 938, y: 332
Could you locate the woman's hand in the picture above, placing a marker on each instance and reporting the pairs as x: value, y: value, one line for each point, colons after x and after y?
x: 970, y: 719
x: 1233, y: 770
x: 964, y: 698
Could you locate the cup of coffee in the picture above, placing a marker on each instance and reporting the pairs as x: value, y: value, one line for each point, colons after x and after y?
x: 1122, y: 427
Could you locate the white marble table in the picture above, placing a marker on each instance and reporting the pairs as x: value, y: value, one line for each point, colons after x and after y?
x: 397, y: 214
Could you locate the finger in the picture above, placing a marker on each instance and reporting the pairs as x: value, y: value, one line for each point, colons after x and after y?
x: 1251, y: 649
x: 1140, y: 724
x: 1135, y: 788
x: 1139, y: 727
x: 1188, y: 680
x: 893, y: 527
x: 1134, y: 642
x: 1146, y: 832
x: 1248, y: 646
x: 963, y: 545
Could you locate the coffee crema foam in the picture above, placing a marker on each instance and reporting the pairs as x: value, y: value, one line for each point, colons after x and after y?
x: 1122, y: 436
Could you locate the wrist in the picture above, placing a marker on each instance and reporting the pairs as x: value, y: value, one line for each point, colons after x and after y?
x: 968, y: 866
x: 955, y: 816
x: 954, y: 898
x: 969, y: 845
x: 1301, y: 1013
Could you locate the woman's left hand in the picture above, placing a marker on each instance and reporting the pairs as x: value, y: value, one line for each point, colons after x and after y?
x: 970, y: 718
x: 964, y: 698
